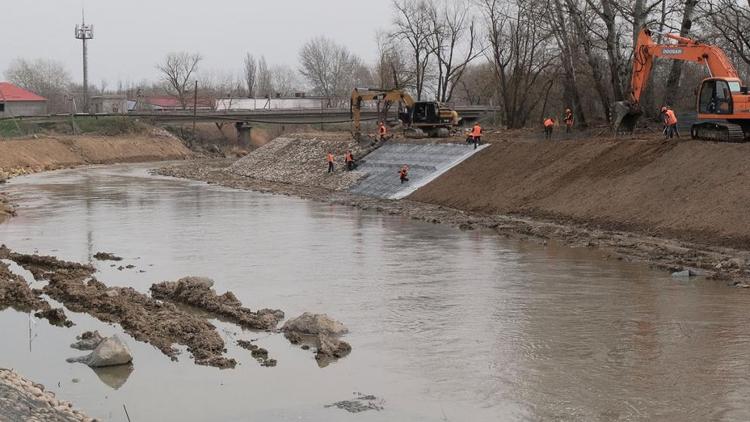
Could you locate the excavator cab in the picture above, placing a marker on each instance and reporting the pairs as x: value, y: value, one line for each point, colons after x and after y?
x: 716, y: 96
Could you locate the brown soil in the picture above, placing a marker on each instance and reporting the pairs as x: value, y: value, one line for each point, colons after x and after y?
x: 15, y: 293
x: 23, y: 156
x: 688, y: 190
x: 146, y: 319
x: 197, y: 292
x: 719, y: 262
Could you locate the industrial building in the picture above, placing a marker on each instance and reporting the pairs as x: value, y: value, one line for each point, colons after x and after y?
x: 109, y: 104
x: 16, y: 101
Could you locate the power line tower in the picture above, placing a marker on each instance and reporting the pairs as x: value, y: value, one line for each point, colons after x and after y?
x: 84, y: 33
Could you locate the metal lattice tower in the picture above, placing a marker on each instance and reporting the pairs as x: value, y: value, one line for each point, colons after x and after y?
x: 84, y: 33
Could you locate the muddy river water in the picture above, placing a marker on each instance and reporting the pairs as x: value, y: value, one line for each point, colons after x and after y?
x: 446, y: 325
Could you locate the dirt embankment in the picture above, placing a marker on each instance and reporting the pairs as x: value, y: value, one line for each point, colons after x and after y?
x: 719, y: 262
x: 23, y: 156
x: 689, y: 190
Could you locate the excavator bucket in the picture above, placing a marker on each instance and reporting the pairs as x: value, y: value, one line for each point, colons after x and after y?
x: 625, y: 116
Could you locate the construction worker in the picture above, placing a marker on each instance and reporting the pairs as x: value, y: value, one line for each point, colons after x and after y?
x: 382, y: 131
x: 568, y: 120
x: 349, y: 159
x: 331, y: 160
x: 403, y: 174
x: 476, y: 134
x: 549, y: 125
x: 670, y: 122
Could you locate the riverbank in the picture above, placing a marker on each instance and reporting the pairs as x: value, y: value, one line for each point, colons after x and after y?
x: 41, y: 153
x: 717, y: 260
x: 24, y: 400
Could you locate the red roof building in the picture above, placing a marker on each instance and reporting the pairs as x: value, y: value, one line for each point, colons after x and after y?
x: 16, y: 101
x: 10, y: 92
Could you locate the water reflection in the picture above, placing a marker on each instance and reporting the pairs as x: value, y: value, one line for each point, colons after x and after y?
x: 444, y: 324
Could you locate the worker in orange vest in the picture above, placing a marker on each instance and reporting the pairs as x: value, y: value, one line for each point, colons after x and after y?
x: 670, y: 122
x: 568, y: 120
x: 549, y: 124
x: 331, y: 160
x: 476, y: 134
x: 349, y: 159
x: 382, y: 131
x: 403, y: 174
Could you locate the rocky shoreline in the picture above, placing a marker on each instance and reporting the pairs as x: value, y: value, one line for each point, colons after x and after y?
x: 719, y: 263
x: 24, y: 400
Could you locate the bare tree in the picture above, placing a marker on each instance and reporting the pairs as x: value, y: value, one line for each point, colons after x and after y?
x: 412, y: 27
x: 285, y: 79
x: 391, y: 70
x: 330, y: 68
x: 452, y: 40
x: 673, y: 82
x: 264, y: 79
x: 44, y: 77
x: 177, y: 69
x: 521, y: 56
x: 580, y: 16
x: 731, y: 21
x: 569, y: 57
x: 250, y: 73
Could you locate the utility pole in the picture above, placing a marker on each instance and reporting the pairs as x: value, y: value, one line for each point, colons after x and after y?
x: 85, y: 32
x: 195, y: 106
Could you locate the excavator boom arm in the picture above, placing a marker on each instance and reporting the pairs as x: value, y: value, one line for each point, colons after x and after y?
x: 360, y: 95
x: 646, y: 50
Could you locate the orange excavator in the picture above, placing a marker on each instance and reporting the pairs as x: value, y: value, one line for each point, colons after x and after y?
x: 723, y: 102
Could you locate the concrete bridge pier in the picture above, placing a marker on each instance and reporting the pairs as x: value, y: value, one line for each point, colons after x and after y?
x: 243, y: 134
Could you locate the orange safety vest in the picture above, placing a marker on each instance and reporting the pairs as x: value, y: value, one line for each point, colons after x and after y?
x: 403, y: 172
x: 671, y: 118
x: 549, y: 123
x: 330, y: 158
x: 348, y: 157
x: 383, y: 130
x: 477, y: 131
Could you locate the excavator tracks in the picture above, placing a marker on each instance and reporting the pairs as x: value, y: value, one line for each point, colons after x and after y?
x: 718, y: 132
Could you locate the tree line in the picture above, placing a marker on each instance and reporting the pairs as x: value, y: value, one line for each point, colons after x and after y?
x: 529, y: 58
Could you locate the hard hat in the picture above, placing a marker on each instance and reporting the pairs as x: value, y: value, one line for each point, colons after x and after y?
x: 663, y: 109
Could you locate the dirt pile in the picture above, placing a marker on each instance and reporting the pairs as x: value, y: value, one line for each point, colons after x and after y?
x: 197, y: 292
x: 691, y: 190
x: 15, y: 293
x: 24, y: 156
x: 301, y: 161
x: 320, y: 331
x: 260, y: 354
x: 23, y: 400
x: 146, y: 319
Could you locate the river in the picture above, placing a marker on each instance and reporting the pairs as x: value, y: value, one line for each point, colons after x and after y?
x: 445, y: 325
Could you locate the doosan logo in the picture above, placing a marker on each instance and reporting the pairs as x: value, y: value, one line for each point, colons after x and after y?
x: 672, y: 51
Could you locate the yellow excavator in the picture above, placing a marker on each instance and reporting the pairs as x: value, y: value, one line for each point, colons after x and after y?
x: 421, y: 119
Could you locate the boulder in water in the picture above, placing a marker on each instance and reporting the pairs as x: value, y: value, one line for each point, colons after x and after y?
x: 110, y: 352
x: 313, y: 324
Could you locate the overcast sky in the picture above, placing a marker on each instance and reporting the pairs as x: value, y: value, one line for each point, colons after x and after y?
x: 131, y: 36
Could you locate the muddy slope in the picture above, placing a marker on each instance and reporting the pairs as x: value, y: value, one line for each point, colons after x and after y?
x: 695, y: 191
x: 22, y: 156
